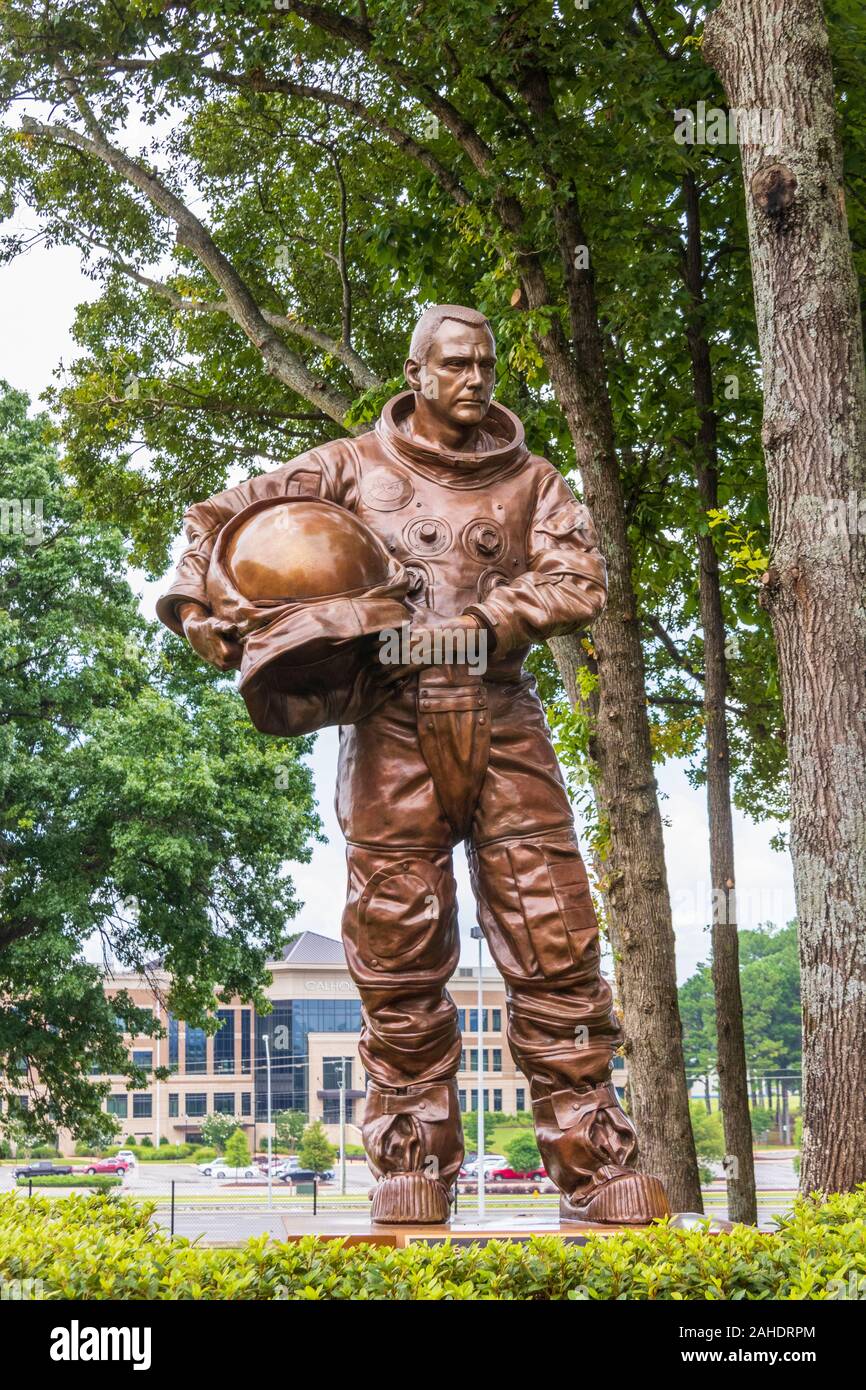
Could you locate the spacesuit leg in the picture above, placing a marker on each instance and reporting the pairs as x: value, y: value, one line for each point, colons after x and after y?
x: 402, y: 945
x: 535, y: 907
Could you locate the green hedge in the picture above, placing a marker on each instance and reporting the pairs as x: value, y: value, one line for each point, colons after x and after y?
x: 101, y: 1181
x: 103, y: 1247
x: 165, y: 1153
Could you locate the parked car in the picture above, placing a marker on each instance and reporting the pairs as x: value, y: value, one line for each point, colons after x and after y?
x: 276, y: 1163
x: 491, y: 1161
x: 107, y: 1165
x: 126, y: 1156
x: 288, y: 1173
x: 512, y: 1175
x: 220, y: 1170
x: 42, y: 1168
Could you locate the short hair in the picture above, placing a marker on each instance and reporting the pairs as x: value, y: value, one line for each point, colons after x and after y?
x: 431, y: 321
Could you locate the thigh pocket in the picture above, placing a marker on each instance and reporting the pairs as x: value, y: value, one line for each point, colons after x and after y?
x: 405, y: 916
x: 571, y: 888
x: 557, y: 906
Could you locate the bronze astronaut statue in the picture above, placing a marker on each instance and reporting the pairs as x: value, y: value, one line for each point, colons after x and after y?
x: 459, y: 531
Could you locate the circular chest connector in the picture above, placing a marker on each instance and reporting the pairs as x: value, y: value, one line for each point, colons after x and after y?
x: 427, y: 535
x: 490, y: 580
x: 386, y: 490
x: 420, y: 583
x: 484, y: 539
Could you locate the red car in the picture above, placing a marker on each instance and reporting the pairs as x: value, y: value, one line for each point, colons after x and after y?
x: 511, y: 1175
x: 107, y: 1165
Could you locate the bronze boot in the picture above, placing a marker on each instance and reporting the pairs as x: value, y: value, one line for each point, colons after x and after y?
x: 414, y: 1142
x: 589, y: 1149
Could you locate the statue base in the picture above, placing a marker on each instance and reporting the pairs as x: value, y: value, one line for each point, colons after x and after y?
x: 357, y: 1228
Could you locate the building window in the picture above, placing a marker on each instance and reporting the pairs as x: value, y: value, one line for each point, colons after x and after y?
x: 142, y: 1059
x: 173, y: 1105
x: 173, y: 1043
x: 196, y: 1050
x: 461, y: 1097
x: 520, y: 1098
x: 619, y: 1064
x: 224, y: 1042
x: 224, y: 1103
x: 461, y: 1020
x: 462, y: 1066
x: 196, y: 1103
x: 288, y: 1027
x: 246, y: 1103
x: 118, y: 1105
x: 246, y: 1040
x: 142, y: 1107
x: 497, y: 1099
x: 492, y: 1059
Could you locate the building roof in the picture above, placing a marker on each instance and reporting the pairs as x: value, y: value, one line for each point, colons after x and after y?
x: 312, y: 949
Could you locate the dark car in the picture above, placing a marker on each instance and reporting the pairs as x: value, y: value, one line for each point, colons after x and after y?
x: 304, y: 1175
x: 43, y: 1169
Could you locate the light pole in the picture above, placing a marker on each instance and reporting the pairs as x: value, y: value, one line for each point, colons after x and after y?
x: 270, y: 1139
x: 479, y: 935
x: 343, y: 1126
x: 158, y: 1128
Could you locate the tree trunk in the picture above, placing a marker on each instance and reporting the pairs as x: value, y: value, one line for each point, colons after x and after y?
x: 708, y: 1100
x: 773, y: 55
x: 635, y: 881
x: 731, y: 1045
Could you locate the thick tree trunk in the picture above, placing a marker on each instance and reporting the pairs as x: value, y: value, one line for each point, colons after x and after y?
x: 731, y: 1045
x: 773, y: 55
x: 635, y: 881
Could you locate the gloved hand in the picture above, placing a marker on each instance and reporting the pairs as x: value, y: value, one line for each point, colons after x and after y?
x: 209, y: 637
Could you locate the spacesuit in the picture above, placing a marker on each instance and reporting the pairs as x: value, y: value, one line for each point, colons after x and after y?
x: 451, y: 755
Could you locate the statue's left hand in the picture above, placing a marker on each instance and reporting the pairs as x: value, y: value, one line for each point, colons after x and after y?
x: 208, y: 636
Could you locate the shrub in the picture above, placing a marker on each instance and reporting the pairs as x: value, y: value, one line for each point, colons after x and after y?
x: 147, y: 1142
x: 237, y: 1150
x: 43, y: 1151
x: 83, y: 1149
x: 316, y: 1151
x: 104, y: 1247
x: 168, y: 1153
x: 100, y: 1181
x: 762, y: 1120
x: 708, y: 1132
x: 522, y: 1153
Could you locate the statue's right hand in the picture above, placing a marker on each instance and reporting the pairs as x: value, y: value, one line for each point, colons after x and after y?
x: 209, y: 637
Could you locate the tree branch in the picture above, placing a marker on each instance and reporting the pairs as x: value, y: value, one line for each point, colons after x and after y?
x: 279, y: 360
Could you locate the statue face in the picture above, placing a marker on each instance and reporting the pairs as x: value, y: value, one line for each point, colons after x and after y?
x: 458, y: 377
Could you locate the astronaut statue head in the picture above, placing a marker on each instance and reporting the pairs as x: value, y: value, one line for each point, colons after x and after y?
x: 451, y: 367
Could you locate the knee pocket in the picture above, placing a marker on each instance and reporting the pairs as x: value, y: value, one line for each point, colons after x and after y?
x: 541, y: 889
x: 406, y: 915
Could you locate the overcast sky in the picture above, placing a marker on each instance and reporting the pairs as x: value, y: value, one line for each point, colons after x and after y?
x: 38, y: 295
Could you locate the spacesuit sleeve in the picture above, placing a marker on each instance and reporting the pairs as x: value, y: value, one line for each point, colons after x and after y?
x: 565, y: 584
x: 306, y: 476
